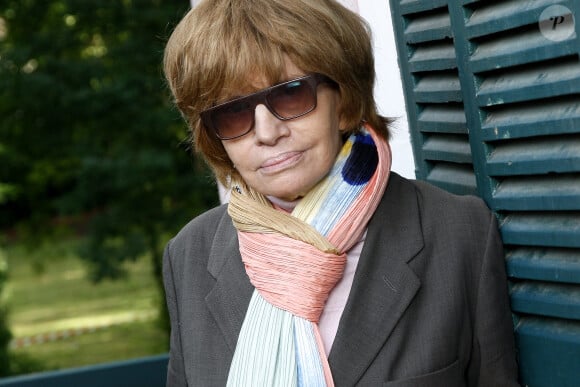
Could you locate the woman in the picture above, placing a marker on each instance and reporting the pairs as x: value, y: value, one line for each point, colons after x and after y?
x: 325, y: 268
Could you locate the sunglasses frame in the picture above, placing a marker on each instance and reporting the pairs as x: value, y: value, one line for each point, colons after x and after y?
x: 261, y: 98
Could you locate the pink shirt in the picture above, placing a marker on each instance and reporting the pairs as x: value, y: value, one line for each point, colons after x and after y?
x: 336, y: 302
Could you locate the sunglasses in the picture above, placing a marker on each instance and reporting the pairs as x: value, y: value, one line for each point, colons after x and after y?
x: 286, y: 101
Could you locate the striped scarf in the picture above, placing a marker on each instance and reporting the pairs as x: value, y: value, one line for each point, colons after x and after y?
x: 295, y: 260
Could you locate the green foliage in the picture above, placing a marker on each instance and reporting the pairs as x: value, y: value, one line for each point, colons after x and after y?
x: 24, y: 363
x: 88, y: 137
x: 89, y: 140
x: 5, y: 334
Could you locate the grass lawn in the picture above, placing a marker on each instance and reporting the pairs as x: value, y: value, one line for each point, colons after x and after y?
x: 49, y: 296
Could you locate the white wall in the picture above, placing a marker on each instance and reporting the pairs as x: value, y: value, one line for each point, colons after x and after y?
x: 389, y: 89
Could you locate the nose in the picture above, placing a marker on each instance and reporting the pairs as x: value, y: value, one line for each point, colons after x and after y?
x: 268, y: 129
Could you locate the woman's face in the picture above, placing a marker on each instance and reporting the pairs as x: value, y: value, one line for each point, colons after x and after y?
x: 285, y: 159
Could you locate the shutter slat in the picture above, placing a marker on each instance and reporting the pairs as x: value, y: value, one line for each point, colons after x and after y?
x: 542, y: 229
x: 452, y: 148
x: 548, y: 351
x: 491, y: 17
x: 530, y: 82
x: 442, y: 118
x: 456, y: 178
x: 518, y: 48
x: 415, y: 6
x: 438, y: 88
x: 429, y: 26
x: 536, y: 118
x: 543, y: 192
x: 553, y: 300
x: 439, y: 55
x: 546, y: 264
x: 535, y: 156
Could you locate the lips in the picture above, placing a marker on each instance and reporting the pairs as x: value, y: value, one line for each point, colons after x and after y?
x: 280, y: 162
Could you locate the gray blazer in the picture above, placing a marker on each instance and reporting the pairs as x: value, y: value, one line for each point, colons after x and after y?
x: 428, y: 306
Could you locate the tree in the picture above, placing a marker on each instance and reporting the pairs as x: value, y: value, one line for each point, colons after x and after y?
x: 5, y: 334
x: 88, y: 130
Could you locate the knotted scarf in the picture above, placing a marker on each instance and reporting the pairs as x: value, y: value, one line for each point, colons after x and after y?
x: 295, y: 260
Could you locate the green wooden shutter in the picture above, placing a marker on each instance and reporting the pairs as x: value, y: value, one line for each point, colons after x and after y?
x: 493, y: 102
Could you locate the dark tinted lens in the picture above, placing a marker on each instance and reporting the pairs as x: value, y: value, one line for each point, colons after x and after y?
x: 292, y: 99
x: 233, y: 119
x: 286, y: 101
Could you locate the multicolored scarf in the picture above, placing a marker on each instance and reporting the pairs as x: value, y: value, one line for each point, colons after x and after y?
x: 295, y: 260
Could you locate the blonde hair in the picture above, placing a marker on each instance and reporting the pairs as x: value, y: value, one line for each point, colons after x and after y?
x: 221, y: 47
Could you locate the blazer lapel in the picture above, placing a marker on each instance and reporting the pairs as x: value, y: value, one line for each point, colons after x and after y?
x: 229, y: 298
x: 383, y: 286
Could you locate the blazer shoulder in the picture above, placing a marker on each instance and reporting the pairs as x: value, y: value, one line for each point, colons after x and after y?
x: 437, y: 201
x: 443, y: 213
x: 200, y: 231
x: 205, y: 221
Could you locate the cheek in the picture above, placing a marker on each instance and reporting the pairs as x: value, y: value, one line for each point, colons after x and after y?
x: 236, y: 152
x: 335, y: 149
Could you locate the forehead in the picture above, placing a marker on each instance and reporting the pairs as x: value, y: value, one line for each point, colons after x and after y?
x: 259, y: 78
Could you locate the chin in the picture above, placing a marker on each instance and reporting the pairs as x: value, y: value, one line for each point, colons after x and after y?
x: 286, y: 195
x: 286, y: 198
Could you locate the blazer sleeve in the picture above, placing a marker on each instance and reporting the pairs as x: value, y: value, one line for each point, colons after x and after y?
x: 175, y: 367
x: 493, y: 362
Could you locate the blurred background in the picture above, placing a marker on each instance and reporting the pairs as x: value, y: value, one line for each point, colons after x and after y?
x: 95, y: 177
